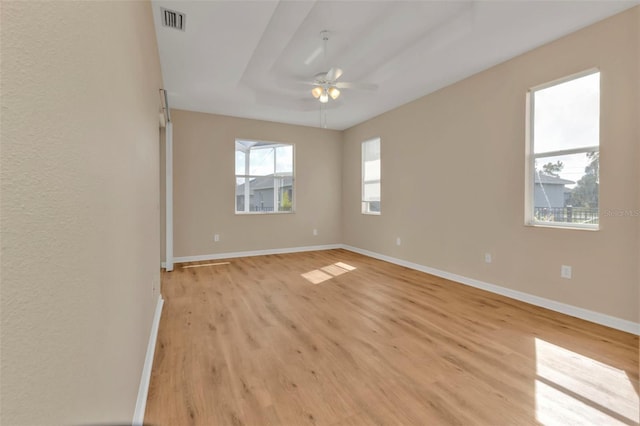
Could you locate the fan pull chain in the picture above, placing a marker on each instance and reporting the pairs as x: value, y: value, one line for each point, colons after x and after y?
x: 325, y: 38
x: 323, y: 117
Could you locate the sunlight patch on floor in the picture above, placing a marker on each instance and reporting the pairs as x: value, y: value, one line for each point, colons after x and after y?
x: 325, y: 273
x: 316, y: 276
x: 334, y: 270
x: 345, y: 266
x: 571, y: 388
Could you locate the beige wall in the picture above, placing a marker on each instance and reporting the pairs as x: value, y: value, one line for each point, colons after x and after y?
x: 204, y: 186
x: 453, y: 178
x: 637, y: 13
x: 80, y: 211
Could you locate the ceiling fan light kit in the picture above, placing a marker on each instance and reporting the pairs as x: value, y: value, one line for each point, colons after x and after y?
x: 326, y: 85
x: 323, y: 94
x: 326, y: 82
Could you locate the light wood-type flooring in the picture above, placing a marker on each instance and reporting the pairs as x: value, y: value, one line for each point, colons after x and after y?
x: 336, y: 338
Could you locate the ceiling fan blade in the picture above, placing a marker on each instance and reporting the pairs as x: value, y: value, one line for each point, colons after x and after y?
x: 359, y: 86
x: 292, y: 83
x: 334, y: 74
x: 298, y: 82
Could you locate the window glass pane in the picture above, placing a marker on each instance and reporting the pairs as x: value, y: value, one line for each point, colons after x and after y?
x: 261, y: 194
x: 566, y: 188
x: 371, y: 176
x: 371, y: 150
x: 284, y: 190
x: 261, y: 161
x: 371, y: 192
x: 240, y: 185
x: 284, y: 159
x: 240, y: 164
x: 567, y: 115
x: 372, y: 170
x: 371, y: 206
x: 371, y: 159
x: 267, y: 183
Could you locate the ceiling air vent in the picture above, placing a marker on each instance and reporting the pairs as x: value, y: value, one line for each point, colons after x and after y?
x: 173, y: 19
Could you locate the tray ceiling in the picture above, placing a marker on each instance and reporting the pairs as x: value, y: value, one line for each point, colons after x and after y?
x: 248, y: 58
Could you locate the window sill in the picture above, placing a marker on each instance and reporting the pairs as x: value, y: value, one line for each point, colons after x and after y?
x: 562, y: 225
x: 372, y: 213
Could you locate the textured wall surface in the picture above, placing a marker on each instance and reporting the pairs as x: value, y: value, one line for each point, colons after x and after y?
x: 204, y: 186
x: 80, y: 208
x: 638, y: 156
x: 453, y: 177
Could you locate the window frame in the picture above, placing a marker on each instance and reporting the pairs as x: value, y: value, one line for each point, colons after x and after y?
x: 249, y: 176
x: 531, y: 156
x: 363, y: 203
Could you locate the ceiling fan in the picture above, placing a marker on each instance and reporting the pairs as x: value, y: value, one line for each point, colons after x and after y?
x: 326, y: 84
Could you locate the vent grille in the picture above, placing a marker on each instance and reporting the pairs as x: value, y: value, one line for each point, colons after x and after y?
x: 173, y: 19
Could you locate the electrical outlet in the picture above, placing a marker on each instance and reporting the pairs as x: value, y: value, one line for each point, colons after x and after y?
x: 565, y: 272
x: 398, y: 241
x: 216, y: 238
x: 487, y: 258
x: 315, y: 232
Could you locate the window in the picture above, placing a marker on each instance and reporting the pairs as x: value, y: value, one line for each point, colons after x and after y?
x: 264, y: 177
x: 371, y: 176
x: 564, y: 153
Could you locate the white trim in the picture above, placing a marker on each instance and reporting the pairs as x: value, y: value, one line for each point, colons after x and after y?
x: 560, y: 152
x: 248, y: 176
x: 163, y: 265
x: 363, y: 209
x: 143, y: 389
x: 565, y: 79
x: 168, y: 172
x: 564, y: 225
x: 217, y: 256
x: 531, y: 155
x: 574, y: 311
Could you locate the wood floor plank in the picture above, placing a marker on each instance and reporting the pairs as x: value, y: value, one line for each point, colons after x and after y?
x: 337, y: 338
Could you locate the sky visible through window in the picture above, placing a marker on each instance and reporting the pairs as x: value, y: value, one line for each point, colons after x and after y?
x: 262, y: 161
x: 567, y: 116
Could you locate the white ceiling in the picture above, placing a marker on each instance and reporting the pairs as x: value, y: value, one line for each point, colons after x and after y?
x: 247, y: 58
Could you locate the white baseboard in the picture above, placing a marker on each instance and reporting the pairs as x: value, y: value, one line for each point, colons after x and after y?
x: 143, y: 390
x: 574, y: 311
x: 230, y: 255
x: 163, y: 265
